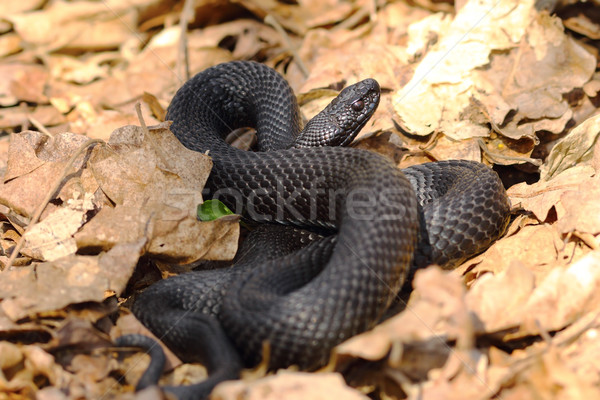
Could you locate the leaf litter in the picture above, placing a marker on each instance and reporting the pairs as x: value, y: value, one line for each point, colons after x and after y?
x: 507, y: 83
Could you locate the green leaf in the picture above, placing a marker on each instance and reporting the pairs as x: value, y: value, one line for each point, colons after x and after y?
x: 211, y: 210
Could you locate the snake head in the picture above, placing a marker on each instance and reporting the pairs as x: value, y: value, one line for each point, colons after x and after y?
x: 339, y: 123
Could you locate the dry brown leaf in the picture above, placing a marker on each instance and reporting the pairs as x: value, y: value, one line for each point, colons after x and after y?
x: 446, y: 149
x: 513, y: 298
x: 323, y: 13
x: 535, y: 93
x: 585, y: 22
x: 22, y: 82
x: 7, y: 325
x: 582, y: 354
x: 35, y: 162
x: 537, y: 247
x: 10, y: 43
x: 579, y: 147
x: 290, y: 16
x: 547, y: 377
x: 137, y: 169
x: 83, y: 26
x: 100, y: 125
x: 498, y: 299
x: 156, y: 184
x: 581, y: 208
x: 466, y: 375
x: 451, y: 73
x: 11, y: 355
x: 23, y: 378
x: 20, y: 116
x: 289, y: 385
x: 15, y: 6
x: 436, y: 308
x: 52, y: 238
x: 250, y: 37
x: 540, y: 197
x: 356, y: 62
x: 564, y: 295
x: 442, y: 79
x: 73, y: 279
x: 78, y: 70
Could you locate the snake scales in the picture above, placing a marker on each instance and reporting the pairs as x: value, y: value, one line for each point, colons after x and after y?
x: 304, y: 296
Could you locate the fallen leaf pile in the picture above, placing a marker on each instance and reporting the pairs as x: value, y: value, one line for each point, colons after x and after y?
x: 98, y: 198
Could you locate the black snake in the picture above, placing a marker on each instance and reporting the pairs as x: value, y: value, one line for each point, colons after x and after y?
x: 303, y: 301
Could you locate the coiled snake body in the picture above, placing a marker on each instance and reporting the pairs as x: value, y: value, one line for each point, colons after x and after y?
x: 304, y: 301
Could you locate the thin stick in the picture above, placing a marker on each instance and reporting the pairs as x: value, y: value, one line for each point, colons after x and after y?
x: 354, y: 19
x: 49, y: 195
x: 269, y: 19
x: 38, y: 125
x: 159, y: 151
x: 183, y: 62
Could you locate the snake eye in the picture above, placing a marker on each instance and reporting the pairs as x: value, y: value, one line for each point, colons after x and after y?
x: 358, y: 105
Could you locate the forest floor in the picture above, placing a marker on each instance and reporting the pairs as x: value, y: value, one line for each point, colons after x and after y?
x: 98, y: 198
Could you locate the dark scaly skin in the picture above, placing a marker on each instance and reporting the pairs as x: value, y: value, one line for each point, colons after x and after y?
x: 306, y: 302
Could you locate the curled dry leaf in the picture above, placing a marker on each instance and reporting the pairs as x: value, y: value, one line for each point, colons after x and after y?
x: 577, y: 148
x: 556, y: 65
x: 539, y: 198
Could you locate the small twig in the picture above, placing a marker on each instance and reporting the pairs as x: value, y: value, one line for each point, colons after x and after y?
x: 49, y: 195
x: 183, y: 62
x: 38, y: 125
x: 543, y: 332
x: 270, y: 20
x: 354, y: 19
x: 23, y: 107
x: 159, y: 152
x: 432, y: 142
